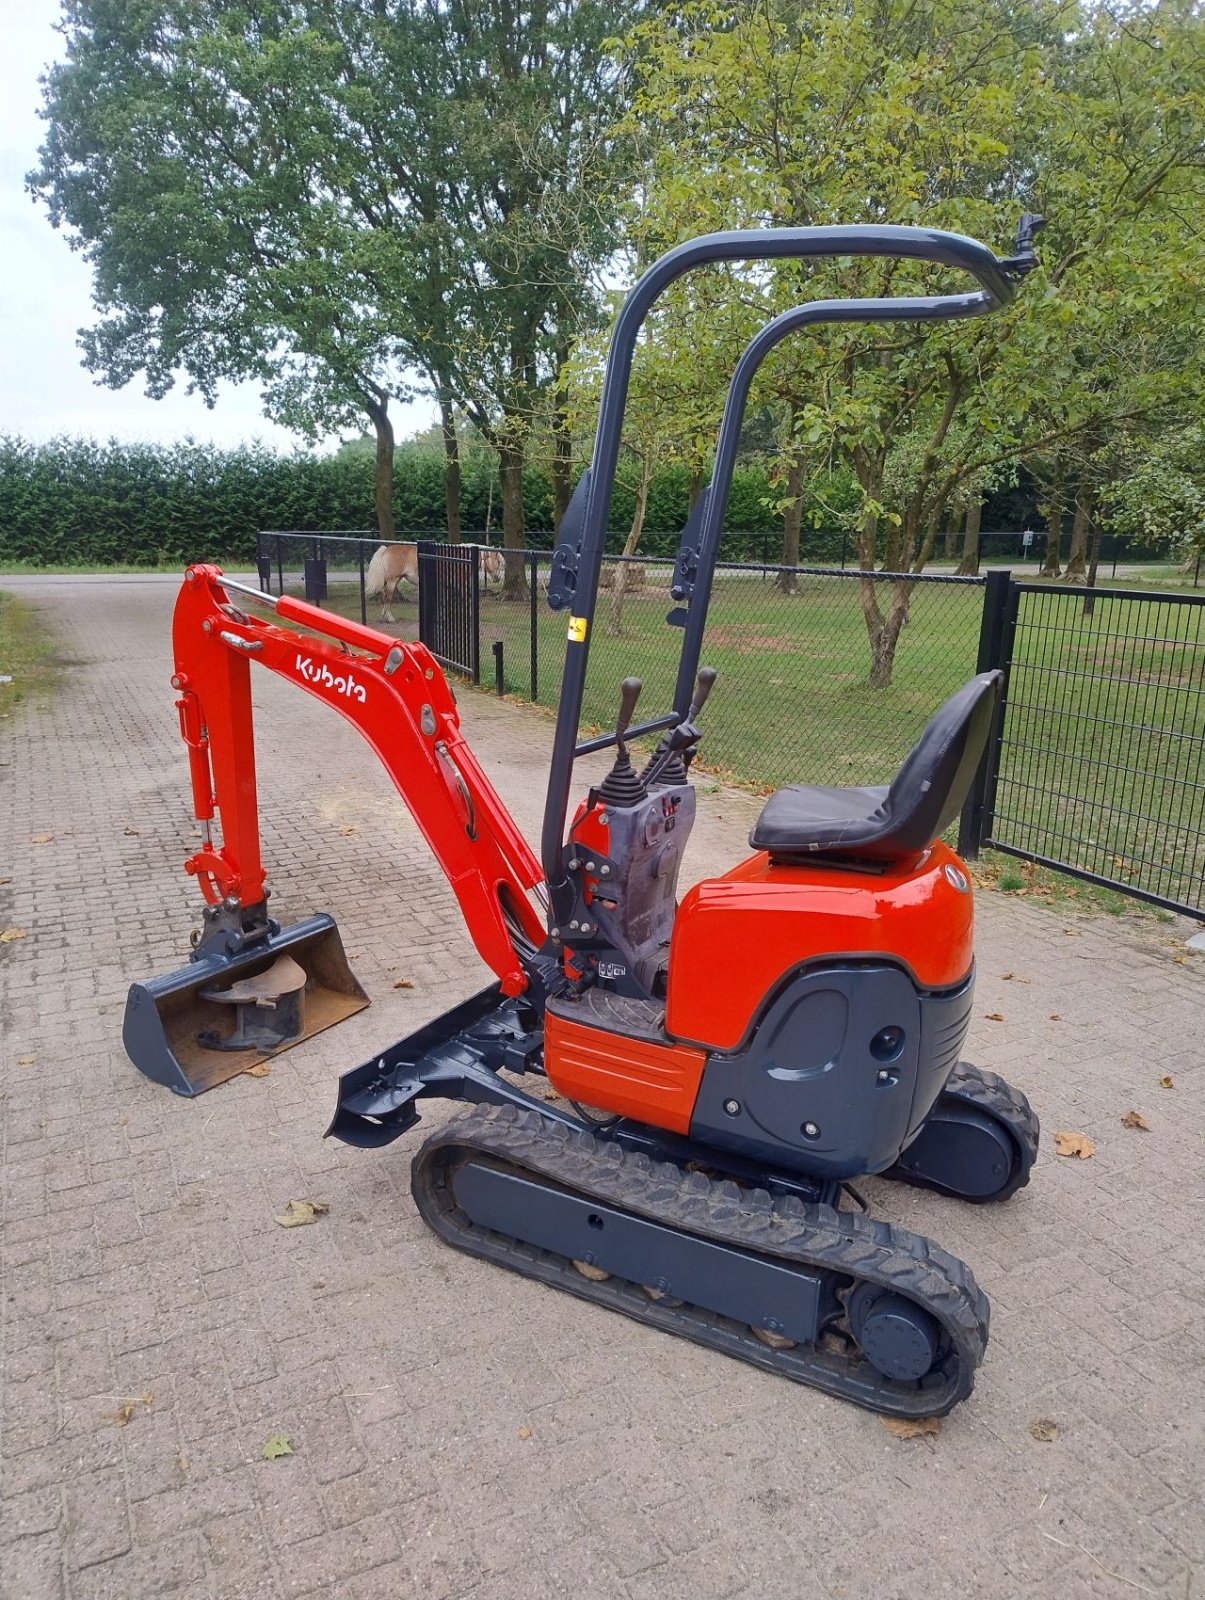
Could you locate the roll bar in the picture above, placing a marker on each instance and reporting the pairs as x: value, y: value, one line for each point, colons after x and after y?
x: 577, y: 560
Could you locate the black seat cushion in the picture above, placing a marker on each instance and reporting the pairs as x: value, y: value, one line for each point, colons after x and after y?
x: 893, y: 823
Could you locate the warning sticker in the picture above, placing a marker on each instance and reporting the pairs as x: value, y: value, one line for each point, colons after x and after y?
x: 577, y: 629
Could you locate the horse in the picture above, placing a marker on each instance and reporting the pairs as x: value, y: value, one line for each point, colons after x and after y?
x: 389, y: 565
x: 393, y: 562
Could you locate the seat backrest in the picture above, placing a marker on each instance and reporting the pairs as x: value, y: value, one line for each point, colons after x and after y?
x: 931, y: 787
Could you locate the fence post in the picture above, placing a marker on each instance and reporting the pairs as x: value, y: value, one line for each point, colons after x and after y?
x: 976, y: 813
x: 499, y: 671
x: 315, y: 589
x: 263, y: 564
x: 533, y: 590
x: 363, y: 595
x: 475, y: 615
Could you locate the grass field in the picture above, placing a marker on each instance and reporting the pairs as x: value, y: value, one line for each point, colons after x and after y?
x: 1103, y: 762
x: 26, y: 653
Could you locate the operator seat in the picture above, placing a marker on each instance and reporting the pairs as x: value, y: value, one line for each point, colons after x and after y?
x: 888, y: 823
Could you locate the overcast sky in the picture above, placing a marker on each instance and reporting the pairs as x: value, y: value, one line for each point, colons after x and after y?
x: 45, y: 296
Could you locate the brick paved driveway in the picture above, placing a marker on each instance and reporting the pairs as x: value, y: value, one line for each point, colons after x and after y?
x: 458, y: 1431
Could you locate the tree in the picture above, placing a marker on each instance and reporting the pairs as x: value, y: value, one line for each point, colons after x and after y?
x: 322, y: 194
x: 881, y: 110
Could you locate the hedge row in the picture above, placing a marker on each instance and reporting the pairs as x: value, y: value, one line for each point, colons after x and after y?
x: 78, y: 500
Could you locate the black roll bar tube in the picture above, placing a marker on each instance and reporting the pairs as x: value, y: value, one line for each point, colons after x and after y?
x: 585, y: 556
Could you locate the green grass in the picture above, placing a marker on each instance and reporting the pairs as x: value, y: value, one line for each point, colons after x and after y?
x: 26, y: 653
x: 1102, y: 765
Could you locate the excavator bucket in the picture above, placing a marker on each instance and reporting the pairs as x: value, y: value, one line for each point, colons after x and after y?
x: 219, y: 1015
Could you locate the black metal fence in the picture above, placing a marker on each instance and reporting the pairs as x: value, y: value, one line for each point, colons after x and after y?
x: 1097, y: 765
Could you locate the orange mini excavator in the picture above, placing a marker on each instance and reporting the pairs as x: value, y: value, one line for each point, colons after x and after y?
x: 727, y: 1064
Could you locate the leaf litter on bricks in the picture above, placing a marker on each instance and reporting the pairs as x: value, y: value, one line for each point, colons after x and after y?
x: 1167, y: 1081
x: 1133, y: 1120
x: 128, y: 1408
x: 40, y: 838
x: 1074, y: 1144
x: 300, y: 1213
x: 403, y: 983
x: 911, y: 1427
x: 1044, y: 1429
x: 276, y: 1447
x: 11, y: 935
x: 260, y: 1069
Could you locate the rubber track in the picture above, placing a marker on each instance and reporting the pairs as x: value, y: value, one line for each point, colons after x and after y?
x: 984, y: 1091
x: 814, y: 1236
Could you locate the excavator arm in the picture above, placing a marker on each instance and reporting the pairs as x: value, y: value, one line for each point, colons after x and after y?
x: 395, y: 694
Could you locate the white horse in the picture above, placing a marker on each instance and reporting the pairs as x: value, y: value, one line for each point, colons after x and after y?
x: 391, y: 563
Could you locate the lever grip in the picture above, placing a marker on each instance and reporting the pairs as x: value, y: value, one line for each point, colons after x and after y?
x: 707, y: 677
x: 629, y: 693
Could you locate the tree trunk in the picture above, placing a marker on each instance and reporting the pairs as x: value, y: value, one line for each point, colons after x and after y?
x: 510, y: 474
x: 1093, y: 563
x: 562, y: 447
x: 968, y: 567
x: 885, y: 638
x: 447, y: 423
x: 629, y: 575
x: 953, y: 523
x: 1077, y: 566
x: 1051, y: 507
x: 787, y: 581
x: 382, y: 483
x: 694, y: 489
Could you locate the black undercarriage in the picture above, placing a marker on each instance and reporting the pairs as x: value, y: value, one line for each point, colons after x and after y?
x: 747, y: 1259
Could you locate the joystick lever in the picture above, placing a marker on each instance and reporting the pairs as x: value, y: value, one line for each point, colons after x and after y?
x: 703, y: 687
x: 621, y: 786
x: 629, y: 693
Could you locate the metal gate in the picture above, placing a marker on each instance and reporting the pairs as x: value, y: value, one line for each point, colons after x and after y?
x: 448, y: 605
x: 1098, y: 763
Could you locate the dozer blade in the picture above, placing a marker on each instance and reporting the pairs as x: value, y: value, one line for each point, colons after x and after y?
x: 168, y: 1018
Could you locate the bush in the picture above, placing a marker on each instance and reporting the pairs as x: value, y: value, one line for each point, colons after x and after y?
x: 82, y: 501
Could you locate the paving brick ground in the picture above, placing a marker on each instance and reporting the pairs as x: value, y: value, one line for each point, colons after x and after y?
x: 458, y: 1431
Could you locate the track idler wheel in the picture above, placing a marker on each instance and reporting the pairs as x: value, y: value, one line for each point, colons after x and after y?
x: 899, y: 1338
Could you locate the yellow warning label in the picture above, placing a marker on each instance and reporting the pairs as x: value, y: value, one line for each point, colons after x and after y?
x: 577, y: 629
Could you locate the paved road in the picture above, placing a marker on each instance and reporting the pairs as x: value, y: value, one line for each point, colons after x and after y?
x: 458, y: 1431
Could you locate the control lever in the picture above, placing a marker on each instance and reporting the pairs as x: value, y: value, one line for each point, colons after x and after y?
x: 629, y: 693
x: 676, y: 749
x: 703, y: 688
x: 621, y: 786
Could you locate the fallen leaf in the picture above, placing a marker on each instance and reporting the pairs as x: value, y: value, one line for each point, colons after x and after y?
x: 125, y: 1411
x: 994, y: 1016
x: 5, y: 880
x: 525, y: 1433
x: 1044, y: 1429
x: 26, y: 1061
x: 300, y: 1212
x: 40, y: 838
x: 1072, y: 933
x: 911, y: 1427
x: 1074, y: 1144
x: 182, y: 1461
x: 131, y: 833
x: 1167, y: 1081
x: 275, y: 1447
x: 346, y: 833
x: 1133, y: 1120
x: 403, y: 983
x: 1008, y: 976
x: 9, y: 934
x: 1054, y: 1017
x: 259, y: 1070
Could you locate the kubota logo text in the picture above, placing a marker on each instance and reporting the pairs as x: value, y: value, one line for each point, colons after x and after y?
x: 341, y: 683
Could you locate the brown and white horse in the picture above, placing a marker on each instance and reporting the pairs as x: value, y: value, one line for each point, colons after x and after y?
x: 391, y: 563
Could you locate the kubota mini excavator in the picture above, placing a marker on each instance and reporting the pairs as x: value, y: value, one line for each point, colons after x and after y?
x: 731, y: 1062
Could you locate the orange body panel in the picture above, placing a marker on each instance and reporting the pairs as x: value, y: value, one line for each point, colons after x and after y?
x: 652, y: 1082
x: 737, y: 936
